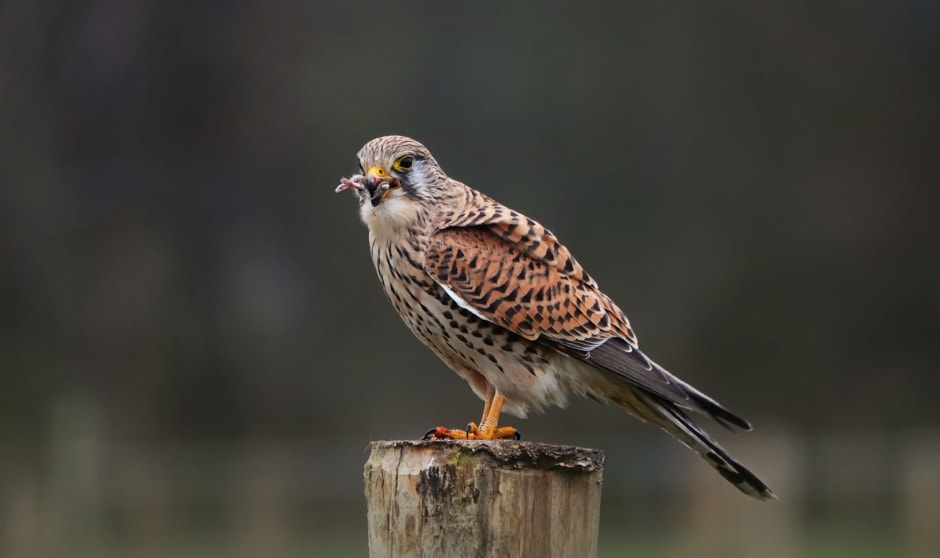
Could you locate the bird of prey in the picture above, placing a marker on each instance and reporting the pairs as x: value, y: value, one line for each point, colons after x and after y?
x: 505, y: 305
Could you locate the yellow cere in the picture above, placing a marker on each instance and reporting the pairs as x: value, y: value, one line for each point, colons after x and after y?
x: 377, y: 171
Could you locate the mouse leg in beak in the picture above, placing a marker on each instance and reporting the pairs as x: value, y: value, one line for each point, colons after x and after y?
x: 347, y: 184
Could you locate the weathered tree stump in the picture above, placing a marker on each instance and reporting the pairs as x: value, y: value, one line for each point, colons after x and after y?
x: 480, y: 499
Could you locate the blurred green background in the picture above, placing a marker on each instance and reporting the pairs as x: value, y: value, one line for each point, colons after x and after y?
x: 195, y: 351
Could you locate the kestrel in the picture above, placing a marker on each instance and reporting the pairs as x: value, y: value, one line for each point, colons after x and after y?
x: 505, y: 305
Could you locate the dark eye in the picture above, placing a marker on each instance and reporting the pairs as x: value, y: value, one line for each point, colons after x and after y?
x: 404, y: 164
x: 361, y: 170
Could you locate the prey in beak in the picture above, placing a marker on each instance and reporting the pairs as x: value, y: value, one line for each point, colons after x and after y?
x: 349, y: 184
x: 375, y: 185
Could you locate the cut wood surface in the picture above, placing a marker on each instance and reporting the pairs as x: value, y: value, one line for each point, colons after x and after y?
x: 482, y: 499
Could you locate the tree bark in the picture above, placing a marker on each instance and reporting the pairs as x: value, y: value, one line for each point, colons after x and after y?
x: 482, y: 499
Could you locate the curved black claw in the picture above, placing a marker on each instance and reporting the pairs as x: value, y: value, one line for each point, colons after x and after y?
x: 429, y: 435
x: 517, y: 435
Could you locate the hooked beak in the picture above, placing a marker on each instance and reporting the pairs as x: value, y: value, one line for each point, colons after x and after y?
x: 375, y: 176
x: 379, y: 183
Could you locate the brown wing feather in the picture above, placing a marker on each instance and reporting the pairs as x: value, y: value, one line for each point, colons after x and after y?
x: 501, y: 283
x: 513, y: 272
x: 524, y: 234
x: 521, y: 293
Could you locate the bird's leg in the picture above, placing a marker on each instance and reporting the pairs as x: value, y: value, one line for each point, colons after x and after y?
x: 490, y: 394
x: 487, y: 430
x: 473, y: 431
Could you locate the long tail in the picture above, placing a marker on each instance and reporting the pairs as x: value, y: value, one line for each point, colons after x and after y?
x: 678, y: 425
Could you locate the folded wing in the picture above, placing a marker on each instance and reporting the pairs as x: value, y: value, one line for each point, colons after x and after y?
x: 511, y: 271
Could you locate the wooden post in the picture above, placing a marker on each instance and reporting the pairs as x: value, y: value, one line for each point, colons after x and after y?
x: 482, y: 499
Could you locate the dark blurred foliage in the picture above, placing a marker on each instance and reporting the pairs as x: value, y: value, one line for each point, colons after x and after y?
x: 755, y: 183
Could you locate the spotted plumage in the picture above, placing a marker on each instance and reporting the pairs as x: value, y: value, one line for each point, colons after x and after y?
x: 506, y: 306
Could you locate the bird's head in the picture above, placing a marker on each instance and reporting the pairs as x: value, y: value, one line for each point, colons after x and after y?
x: 397, y: 177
